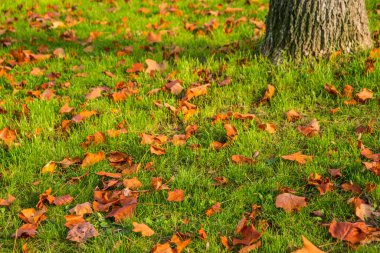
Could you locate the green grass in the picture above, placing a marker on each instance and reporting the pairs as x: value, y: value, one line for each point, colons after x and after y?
x: 298, y: 86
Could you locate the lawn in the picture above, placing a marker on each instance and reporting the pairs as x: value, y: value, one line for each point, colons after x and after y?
x: 181, y: 118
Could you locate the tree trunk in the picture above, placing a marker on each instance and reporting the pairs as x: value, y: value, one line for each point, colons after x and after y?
x: 299, y: 28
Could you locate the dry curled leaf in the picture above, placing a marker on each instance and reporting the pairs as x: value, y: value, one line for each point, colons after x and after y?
x: 63, y: 200
x: 7, y: 202
x: 239, y: 159
x: 350, y: 232
x: 364, y: 95
x: 310, y: 130
x: 81, y: 209
x: 292, y: 116
x: 214, y: 209
x: 93, y: 158
x: 81, y: 232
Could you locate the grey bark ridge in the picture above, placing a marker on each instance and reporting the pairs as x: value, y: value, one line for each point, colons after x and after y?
x: 315, y: 28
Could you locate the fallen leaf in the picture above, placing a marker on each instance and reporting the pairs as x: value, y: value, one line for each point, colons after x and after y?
x: 293, y: 116
x: 63, y: 200
x: 332, y: 90
x: 310, y: 130
x: 323, y: 184
x: 26, y: 231
x: 290, y: 202
x: 268, y: 127
x: 65, y: 108
x: 364, y: 95
x: 157, y: 150
x: 8, y: 201
x: 298, y: 157
x: 49, y: 167
x: 143, y: 229
x: 81, y: 209
x: 73, y: 219
x: 93, y: 158
x: 83, y: 115
x: 308, y: 247
x: 176, y: 196
x: 347, y: 231
x: 96, y: 92
x: 239, y: 159
x: 354, y: 188
x: 132, y: 183
x: 202, y: 234
x: 81, y: 232
x: 231, y: 131
x: 153, y: 67
x: 196, y: 91
x: 216, y: 208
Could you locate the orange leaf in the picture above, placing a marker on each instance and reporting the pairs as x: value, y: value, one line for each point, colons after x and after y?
x: 239, y: 159
x: 142, y: 228
x: 308, y: 247
x: 83, y: 115
x: 81, y: 209
x: 290, y: 202
x: 96, y: 92
x: 231, y: 131
x: 268, y: 127
x: 93, y: 158
x: 73, y: 219
x: 49, y: 167
x: 350, y: 232
x: 310, y: 130
x: 153, y: 67
x: 157, y: 151
x: 8, y: 201
x: 202, y: 233
x: 176, y: 195
x: 298, y: 157
x: 292, y: 116
x: 332, y: 90
x: 214, y: 209
x: 364, y: 95
x: 132, y: 183
x: 65, y: 108
x: 196, y: 91
x: 26, y: 231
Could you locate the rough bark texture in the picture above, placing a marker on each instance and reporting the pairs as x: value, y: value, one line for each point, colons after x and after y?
x: 315, y: 27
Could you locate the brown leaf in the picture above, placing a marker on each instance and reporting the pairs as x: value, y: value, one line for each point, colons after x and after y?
x: 108, y: 174
x: 37, y: 72
x: 45, y: 197
x: 249, y: 235
x: 8, y: 201
x: 132, y: 183
x: 179, y: 242
x: 202, y: 234
x: 214, y: 209
x: 250, y: 248
x: 82, y: 209
x: 157, y: 150
x: 293, y: 116
x: 153, y: 37
x: 163, y: 248
x: 308, y: 247
x: 174, y: 87
x: 347, y: 91
x: 73, y: 219
x: 63, y: 200
x: 65, y: 108
x: 268, y: 94
x: 239, y: 159
x: 176, y: 195
x: 310, y: 130
x: 190, y: 130
x: 335, y: 173
x: 196, y: 91
x: 290, y: 202
x: 364, y: 95
x: 362, y: 209
x: 121, y: 213
x: 332, y: 90
x: 354, y: 188
x: 96, y: 92
x: 154, y: 67
x: 142, y: 228
x: 350, y: 232
x: 179, y: 140
x: 93, y: 158
x: 225, y: 242
x: 323, y: 184
x: 32, y: 216
x: 83, y: 115
x: 81, y: 232
x: 268, y: 127
x: 231, y: 131
x: 26, y: 231
x: 8, y: 136
x: 298, y: 157
x: 157, y: 184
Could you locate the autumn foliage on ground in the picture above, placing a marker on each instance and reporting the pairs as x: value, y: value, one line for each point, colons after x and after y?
x: 153, y: 126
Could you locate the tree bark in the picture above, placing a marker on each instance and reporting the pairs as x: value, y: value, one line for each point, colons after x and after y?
x: 299, y: 28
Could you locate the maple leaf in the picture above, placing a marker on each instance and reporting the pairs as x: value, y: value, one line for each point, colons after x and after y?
x: 231, y: 131
x: 157, y: 150
x: 8, y: 136
x: 347, y: 91
x: 354, y: 188
x: 65, y: 108
x: 121, y: 213
x: 267, y: 95
x: 332, y: 90
x: 93, y: 158
x: 239, y: 159
x: 73, y: 219
x: 32, y: 216
x: 290, y: 202
x: 335, y: 173
x: 298, y: 157
x: 8, y: 201
x: 202, y: 233
x: 308, y: 247
x: 81, y: 232
x: 362, y: 210
x: 143, y: 229
x: 45, y: 197
x: 176, y: 195
x: 196, y: 91
x: 350, y: 232
x: 249, y: 235
x: 310, y: 130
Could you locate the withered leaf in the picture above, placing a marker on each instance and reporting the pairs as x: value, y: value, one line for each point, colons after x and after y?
x: 298, y: 157
x: 216, y: 208
x: 308, y: 247
x: 8, y: 201
x: 332, y: 90
x: 239, y: 159
x: 132, y: 183
x: 83, y: 115
x: 231, y: 131
x: 157, y: 150
x: 196, y: 91
x: 93, y: 158
x: 81, y: 232
x: 310, y: 130
x: 49, y: 167
x: 323, y: 184
x: 268, y: 127
x: 153, y: 67
x: 65, y: 108
x: 176, y: 195
x: 347, y: 231
x: 292, y: 116
x: 63, y: 200
x: 364, y: 95
x: 354, y: 188
x: 290, y: 202
x: 142, y: 228
x: 81, y: 209
x: 26, y: 231
x: 73, y: 219
x: 96, y: 92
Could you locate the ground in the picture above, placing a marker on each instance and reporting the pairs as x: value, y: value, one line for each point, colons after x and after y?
x: 210, y: 52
